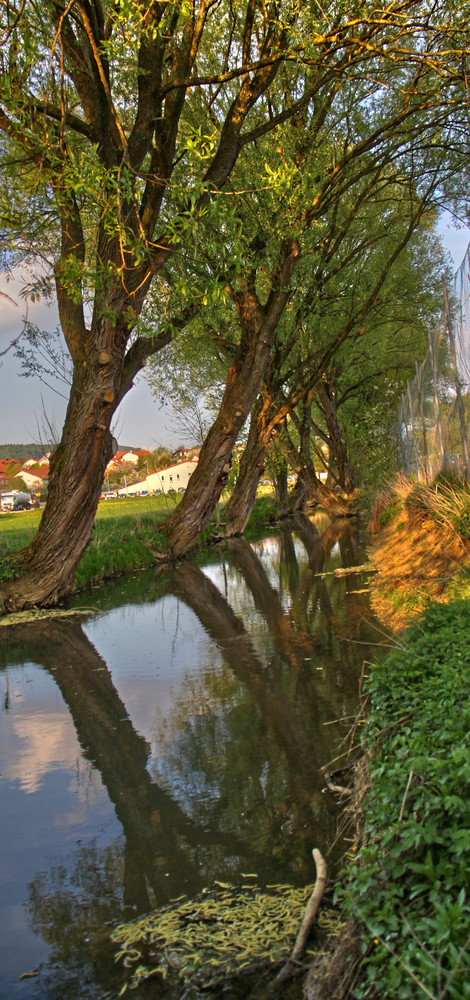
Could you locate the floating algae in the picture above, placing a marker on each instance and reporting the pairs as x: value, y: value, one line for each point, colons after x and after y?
x: 38, y: 614
x: 204, y: 941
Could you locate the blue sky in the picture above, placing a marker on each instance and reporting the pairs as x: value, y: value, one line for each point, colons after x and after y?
x: 139, y: 422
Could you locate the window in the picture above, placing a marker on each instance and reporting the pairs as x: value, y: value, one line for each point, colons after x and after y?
x: 171, y: 479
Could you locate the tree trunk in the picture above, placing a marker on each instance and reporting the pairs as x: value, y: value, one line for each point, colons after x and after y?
x: 77, y: 470
x: 327, y: 398
x: 258, y: 325
x: 251, y: 469
x: 301, y: 461
x: 298, y: 496
x: 281, y: 490
x: 185, y: 523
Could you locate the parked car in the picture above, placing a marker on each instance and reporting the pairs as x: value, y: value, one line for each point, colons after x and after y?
x: 181, y: 489
x: 157, y: 493
x: 171, y: 491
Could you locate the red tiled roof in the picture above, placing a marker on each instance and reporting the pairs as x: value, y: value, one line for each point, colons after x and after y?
x: 41, y: 473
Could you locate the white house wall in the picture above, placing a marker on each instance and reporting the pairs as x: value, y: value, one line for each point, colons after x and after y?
x: 175, y: 477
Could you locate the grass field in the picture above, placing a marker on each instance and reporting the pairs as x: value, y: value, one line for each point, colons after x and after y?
x: 126, y: 535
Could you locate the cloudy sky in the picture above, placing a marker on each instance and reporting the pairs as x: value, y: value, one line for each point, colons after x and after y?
x: 139, y: 422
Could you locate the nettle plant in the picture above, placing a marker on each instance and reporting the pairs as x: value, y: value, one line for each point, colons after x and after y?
x: 410, y: 886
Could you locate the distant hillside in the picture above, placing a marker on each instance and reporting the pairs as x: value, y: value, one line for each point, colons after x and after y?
x: 24, y: 451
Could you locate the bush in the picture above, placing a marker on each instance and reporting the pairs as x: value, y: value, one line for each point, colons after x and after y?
x: 411, y: 884
x: 462, y: 521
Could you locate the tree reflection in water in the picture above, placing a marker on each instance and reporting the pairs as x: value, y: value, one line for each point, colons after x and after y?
x: 231, y: 781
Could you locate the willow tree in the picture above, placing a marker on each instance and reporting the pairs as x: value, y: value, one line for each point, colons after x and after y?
x: 110, y: 154
x: 122, y: 124
x: 364, y: 295
x: 344, y: 149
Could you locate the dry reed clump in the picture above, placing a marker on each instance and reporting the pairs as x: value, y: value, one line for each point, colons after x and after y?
x: 422, y: 546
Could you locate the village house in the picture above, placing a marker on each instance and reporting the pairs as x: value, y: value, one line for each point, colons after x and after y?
x: 173, y: 479
x: 34, y: 480
x: 126, y: 457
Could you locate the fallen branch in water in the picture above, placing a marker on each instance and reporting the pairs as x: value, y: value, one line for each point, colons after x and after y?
x: 292, y: 964
x: 348, y: 570
x: 337, y: 789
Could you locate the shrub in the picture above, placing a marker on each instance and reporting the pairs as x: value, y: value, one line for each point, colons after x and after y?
x: 462, y: 520
x: 410, y: 887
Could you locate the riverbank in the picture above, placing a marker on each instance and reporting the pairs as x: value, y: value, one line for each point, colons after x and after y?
x: 397, y: 806
x: 406, y: 885
x: 127, y: 536
x: 420, y: 549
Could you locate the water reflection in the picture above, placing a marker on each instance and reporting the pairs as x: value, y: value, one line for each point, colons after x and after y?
x: 199, y: 715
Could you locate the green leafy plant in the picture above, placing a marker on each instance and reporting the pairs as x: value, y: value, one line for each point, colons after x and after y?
x: 410, y: 886
x: 462, y: 521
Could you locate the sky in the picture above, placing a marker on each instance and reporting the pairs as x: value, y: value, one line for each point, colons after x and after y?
x: 140, y: 422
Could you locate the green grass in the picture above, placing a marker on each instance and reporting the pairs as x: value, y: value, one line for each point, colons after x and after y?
x: 17, y: 529
x: 162, y: 504
x: 126, y: 535
x: 410, y: 885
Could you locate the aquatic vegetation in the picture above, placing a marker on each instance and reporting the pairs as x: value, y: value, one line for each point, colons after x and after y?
x: 222, y: 933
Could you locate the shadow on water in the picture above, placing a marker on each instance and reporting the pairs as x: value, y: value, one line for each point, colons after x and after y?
x: 198, y: 755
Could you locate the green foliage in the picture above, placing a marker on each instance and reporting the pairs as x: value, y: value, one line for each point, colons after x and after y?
x: 410, y: 887
x: 16, y: 531
x: 388, y: 513
x: 21, y: 452
x: 10, y: 567
x: 15, y: 483
x: 462, y: 522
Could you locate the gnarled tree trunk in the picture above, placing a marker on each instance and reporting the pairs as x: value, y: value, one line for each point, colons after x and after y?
x: 327, y: 399
x: 251, y: 469
x: 76, y: 476
x: 258, y: 325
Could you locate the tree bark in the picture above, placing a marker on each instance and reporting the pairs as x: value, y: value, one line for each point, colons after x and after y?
x: 327, y: 399
x: 251, y: 469
x: 76, y: 476
x: 280, y: 485
x: 258, y: 325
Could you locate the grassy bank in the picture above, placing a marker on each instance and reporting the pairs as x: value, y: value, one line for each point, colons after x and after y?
x: 406, y: 886
x: 421, y: 549
x: 409, y: 886
x: 127, y: 535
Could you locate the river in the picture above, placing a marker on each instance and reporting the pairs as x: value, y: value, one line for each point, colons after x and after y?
x: 171, y: 737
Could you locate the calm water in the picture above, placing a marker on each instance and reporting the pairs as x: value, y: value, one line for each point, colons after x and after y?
x: 171, y: 739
